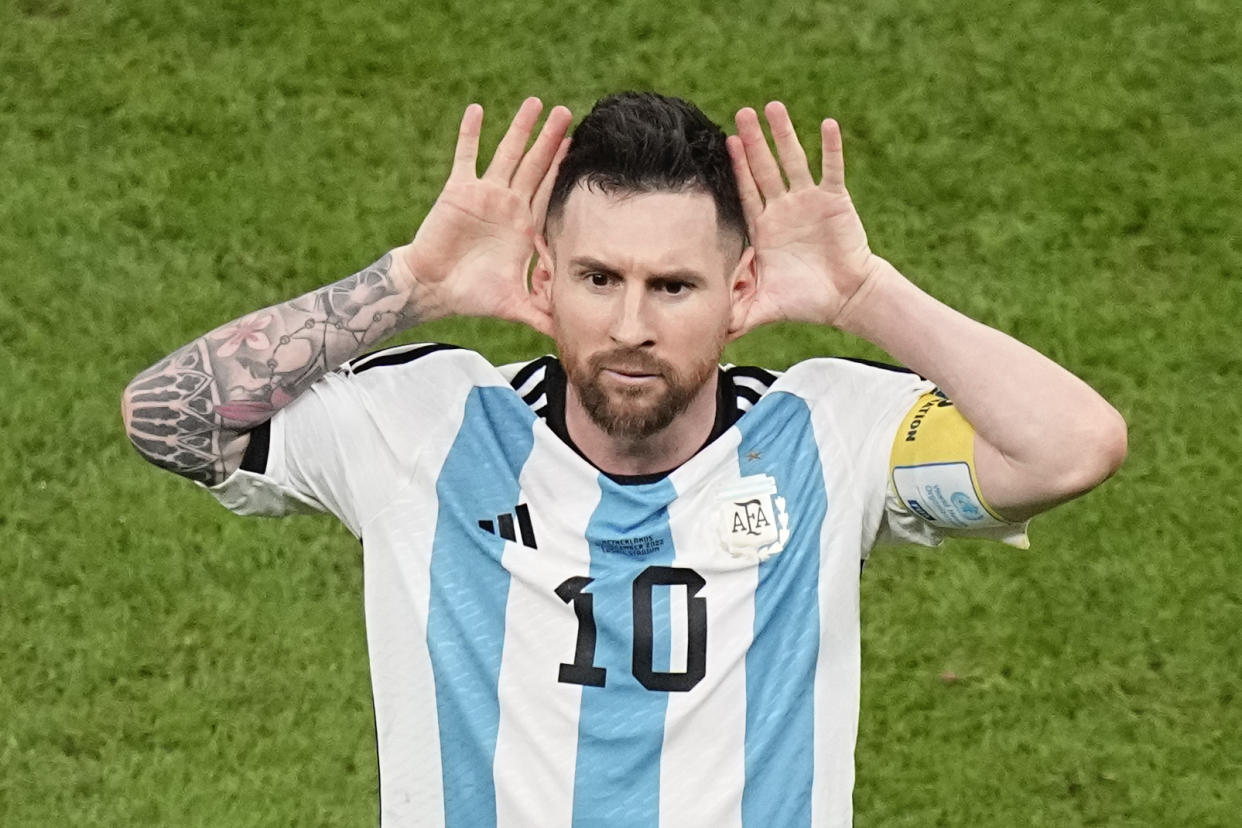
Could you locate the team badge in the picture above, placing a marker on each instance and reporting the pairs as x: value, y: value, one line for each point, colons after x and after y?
x: 753, y: 520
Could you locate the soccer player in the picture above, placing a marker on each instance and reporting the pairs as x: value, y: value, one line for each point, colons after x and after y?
x: 620, y: 587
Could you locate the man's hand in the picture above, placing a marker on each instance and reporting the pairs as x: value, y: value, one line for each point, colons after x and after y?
x: 472, y: 253
x: 811, y: 253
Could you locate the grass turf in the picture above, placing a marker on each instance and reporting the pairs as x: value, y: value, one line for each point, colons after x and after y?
x: 1066, y: 172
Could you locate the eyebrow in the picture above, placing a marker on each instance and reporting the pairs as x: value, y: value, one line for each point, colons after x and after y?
x: 681, y: 274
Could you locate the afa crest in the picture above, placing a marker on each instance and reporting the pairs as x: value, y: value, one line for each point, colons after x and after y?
x: 753, y: 521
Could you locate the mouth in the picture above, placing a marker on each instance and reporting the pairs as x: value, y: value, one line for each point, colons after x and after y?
x: 629, y: 375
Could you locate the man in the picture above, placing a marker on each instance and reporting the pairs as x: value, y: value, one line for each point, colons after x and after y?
x: 621, y: 587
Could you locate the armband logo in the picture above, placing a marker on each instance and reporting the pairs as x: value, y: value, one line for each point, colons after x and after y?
x: 932, y: 465
x: 752, y: 518
x: 918, y: 509
x: 966, y: 505
x: 934, y: 399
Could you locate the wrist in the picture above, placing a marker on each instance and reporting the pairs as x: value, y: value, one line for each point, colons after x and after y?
x: 423, y: 298
x: 872, y: 301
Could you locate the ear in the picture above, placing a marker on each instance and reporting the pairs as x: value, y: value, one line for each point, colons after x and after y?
x: 541, y: 276
x: 743, y: 284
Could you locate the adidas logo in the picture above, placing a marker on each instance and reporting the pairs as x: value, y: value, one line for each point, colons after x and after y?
x: 503, y: 526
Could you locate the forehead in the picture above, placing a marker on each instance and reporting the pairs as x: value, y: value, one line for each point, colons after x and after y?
x: 644, y: 230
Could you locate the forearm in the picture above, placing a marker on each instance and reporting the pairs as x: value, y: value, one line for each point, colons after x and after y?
x: 1048, y: 435
x: 186, y: 412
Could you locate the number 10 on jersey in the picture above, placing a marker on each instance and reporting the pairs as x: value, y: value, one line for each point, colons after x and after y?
x: 583, y: 669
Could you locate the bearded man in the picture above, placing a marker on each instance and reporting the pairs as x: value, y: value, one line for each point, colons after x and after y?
x: 621, y: 587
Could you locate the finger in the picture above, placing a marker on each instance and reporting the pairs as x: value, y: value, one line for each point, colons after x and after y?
x: 534, y: 166
x: 792, y: 156
x: 511, y: 148
x: 758, y: 156
x: 539, y: 204
x: 834, y: 157
x: 467, y: 152
x: 752, y: 202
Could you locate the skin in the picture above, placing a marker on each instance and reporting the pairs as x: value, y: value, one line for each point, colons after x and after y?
x: 814, y: 264
x: 643, y: 291
x: 190, y: 412
x: 602, y: 289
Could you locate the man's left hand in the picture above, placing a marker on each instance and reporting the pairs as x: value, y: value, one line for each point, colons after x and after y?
x: 811, y: 252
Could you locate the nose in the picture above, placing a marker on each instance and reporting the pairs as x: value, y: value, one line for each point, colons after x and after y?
x: 630, y: 325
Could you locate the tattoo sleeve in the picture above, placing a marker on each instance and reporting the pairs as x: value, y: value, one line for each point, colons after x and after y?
x: 183, y: 412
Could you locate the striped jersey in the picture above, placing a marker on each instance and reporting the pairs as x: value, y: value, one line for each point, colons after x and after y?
x: 554, y: 646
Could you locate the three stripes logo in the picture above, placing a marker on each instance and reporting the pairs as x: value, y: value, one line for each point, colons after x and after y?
x: 503, y: 525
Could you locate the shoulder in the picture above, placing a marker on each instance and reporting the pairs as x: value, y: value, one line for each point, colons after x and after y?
x: 431, y: 376
x: 817, y: 380
x: 835, y: 377
x: 850, y: 394
x: 421, y: 377
x: 409, y: 358
x: 432, y: 366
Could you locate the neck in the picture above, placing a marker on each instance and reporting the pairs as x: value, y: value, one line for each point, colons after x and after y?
x: 659, y: 452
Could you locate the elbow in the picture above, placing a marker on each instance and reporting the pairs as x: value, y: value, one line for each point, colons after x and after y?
x: 127, y: 411
x: 1098, y: 451
x: 1070, y: 463
x: 151, y: 438
x: 127, y: 421
x: 1117, y: 442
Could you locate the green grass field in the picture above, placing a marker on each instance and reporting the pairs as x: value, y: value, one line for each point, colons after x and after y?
x: 1067, y: 172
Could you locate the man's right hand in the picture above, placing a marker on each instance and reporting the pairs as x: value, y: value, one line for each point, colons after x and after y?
x: 472, y: 253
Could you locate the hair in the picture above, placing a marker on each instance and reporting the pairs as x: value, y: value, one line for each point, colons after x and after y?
x: 643, y: 142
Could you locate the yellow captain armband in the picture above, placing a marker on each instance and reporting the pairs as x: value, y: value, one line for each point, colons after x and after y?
x: 933, y: 466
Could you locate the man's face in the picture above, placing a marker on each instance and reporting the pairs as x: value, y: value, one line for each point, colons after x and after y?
x: 643, y: 293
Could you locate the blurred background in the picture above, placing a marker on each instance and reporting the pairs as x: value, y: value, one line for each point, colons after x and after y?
x: 1065, y: 171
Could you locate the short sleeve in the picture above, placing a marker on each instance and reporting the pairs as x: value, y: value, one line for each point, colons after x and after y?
x: 932, y: 489
x: 353, y: 440
x: 862, y: 405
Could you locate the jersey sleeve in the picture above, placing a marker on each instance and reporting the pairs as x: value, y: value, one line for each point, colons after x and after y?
x: 864, y: 405
x: 350, y: 442
x: 933, y: 489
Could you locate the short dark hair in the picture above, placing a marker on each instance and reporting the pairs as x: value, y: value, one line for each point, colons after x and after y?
x: 643, y: 142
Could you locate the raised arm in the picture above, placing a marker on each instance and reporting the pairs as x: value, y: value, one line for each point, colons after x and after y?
x: 190, y: 412
x: 1042, y: 435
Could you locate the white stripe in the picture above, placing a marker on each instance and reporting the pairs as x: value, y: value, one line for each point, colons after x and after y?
x: 531, y: 381
x: 838, y: 668
x: 537, y: 740
x: 679, y: 626
x: 703, y: 764
x: 397, y: 570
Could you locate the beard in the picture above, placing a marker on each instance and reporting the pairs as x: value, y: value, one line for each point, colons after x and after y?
x: 642, y: 410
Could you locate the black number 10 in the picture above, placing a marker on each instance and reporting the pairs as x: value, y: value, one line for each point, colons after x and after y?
x: 583, y: 670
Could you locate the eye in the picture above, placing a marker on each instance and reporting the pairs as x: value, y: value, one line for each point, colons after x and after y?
x: 674, y: 288
x: 599, y: 279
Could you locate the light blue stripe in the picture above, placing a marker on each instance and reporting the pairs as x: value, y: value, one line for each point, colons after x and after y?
x: 621, y: 725
x: 469, y: 590
x: 777, y: 439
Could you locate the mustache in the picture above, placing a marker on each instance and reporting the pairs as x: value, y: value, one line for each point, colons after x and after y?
x: 629, y: 360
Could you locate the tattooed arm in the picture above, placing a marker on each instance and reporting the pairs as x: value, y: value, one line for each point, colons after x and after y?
x: 191, y: 411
